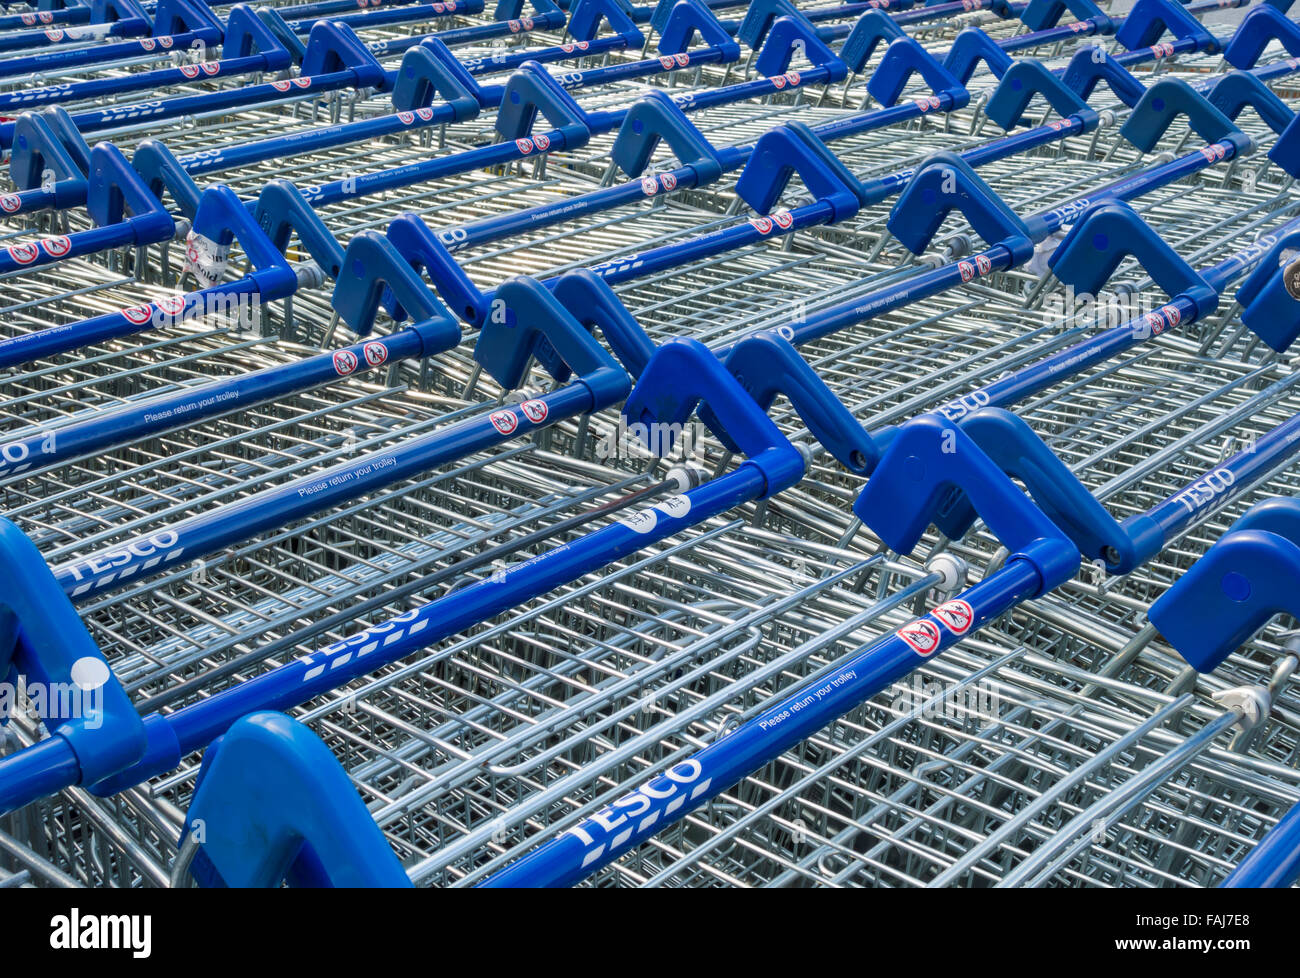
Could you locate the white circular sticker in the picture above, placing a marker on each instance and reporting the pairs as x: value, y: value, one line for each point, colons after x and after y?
x: 89, y: 673
x: 675, y: 506
x: 642, y: 522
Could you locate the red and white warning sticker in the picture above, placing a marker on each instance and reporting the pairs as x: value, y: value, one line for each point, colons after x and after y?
x: 504, y: 421
x: 922, y: 636
x: 171, y: 305
x: 24, y: 254
x: 957, y: 615
x: 345, y: 361
x: 57, y: 246
x: 535, y: 410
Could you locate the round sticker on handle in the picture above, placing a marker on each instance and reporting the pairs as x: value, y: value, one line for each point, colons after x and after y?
x: 504, y: 421
x: 921, y: 636
x: 344, y: 362
x: 642, y: 522
x: 23, y: 254
x: 675, y: 506
x: 957, y: 615
x: 57, y: 246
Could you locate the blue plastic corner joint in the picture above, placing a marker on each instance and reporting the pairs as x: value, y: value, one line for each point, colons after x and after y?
x: 969, y: 48
x: 537, y: 325
x: 276, y: 806
x: 545, y: 10
x: 374, y: 271
x: 1020, y: 83
x: 789, y: 36
x: 1249, y: 575
x: 1019, y: 453
x: 1148, y: 20
x: 1091, y: 65
x: 1238, y: 90
x: 1164, y: 102
x: 67, y: 133
x: 586, y: 16
x: 186, y: 17
x: 654, y: 117
x: 943, y: 183
x: 333, y: 46
x: 430, y: 69
x: 871, y: 28
x: 222, y: 217
x: 678, y: 21
x: 118, y: 12
x: 1110, y: 231
x: 116, y: 193
x: 1039, y: 15
x: 416, y: 242
x: 1286, y: 149
x: 282, y: 32
x: 663, y: 9
x: 766, y: 365
x: 759, y: 17
x: 49, y: 141
x: 684, y: 373
x: 531, y: 90
x: 1270, y: 296
x: 794, y: 148
x: 1260, y: 27
x: 927, y: 460
x: 163, y: 173
x: 281, y: 210
x: 1000, y: 9
x: 247, y: 35
x: 905, y: 58
x: 43, y: 640
x: 591, y: 301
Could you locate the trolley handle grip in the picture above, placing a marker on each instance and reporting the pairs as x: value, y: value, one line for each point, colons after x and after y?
x: 43, y: 769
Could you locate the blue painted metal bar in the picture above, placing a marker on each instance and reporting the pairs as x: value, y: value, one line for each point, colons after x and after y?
x: 1275, y: 860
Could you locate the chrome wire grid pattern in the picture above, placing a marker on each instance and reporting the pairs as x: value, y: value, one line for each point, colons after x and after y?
x: 1084, y: 764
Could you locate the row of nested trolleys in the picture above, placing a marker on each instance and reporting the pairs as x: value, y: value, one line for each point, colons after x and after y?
x: 597, y: 684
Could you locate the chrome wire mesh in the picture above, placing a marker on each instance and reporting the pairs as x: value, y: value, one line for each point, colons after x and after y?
x: 1082, y: 762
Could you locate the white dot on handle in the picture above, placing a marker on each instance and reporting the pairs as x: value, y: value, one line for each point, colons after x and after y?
x: 90, y: 673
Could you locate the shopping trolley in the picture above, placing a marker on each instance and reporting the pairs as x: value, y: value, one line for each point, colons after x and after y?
x: 959, y: 616
x: 611, y: 604
x: 131, y: 424
x: 83, y: 582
